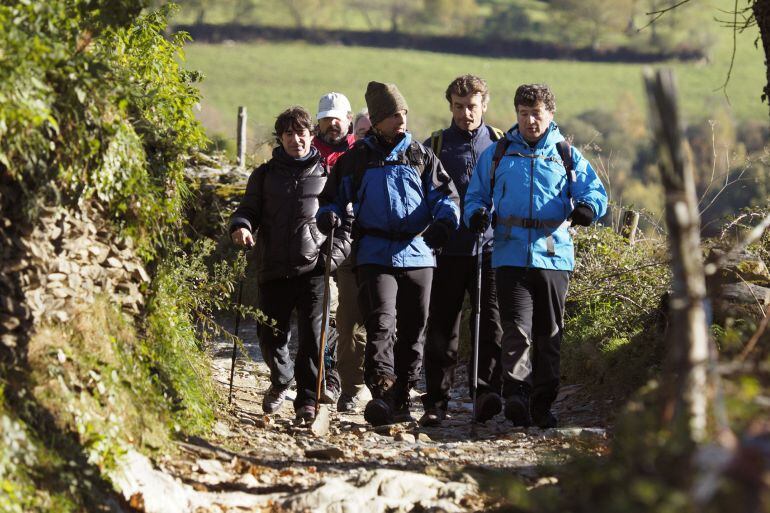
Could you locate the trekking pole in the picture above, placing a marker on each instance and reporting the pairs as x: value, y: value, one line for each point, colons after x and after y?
x: 477, y: 322
x: 235, y: 340
x: 324, y: 322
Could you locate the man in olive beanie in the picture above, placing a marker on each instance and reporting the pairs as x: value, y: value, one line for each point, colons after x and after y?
x: 383, y: 100
x: 404, y: 206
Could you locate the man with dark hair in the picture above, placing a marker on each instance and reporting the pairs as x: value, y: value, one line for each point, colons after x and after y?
x: 458, y: 147
x: 535, y: 186
x: 404, y: 206
x: 280, y: 204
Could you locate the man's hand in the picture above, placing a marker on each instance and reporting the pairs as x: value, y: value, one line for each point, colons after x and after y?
x: 328, y: 220
x: 582, y: 215
x: 437, y: 234
x: 479, y: 221
x: 242, y: 237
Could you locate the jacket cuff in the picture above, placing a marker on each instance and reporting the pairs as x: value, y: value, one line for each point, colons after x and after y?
x: 239, y: 222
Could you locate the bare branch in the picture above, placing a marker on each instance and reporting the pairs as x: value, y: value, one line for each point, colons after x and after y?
x: 657, y: 14
x: 755, y: 337
x: 732, y: 55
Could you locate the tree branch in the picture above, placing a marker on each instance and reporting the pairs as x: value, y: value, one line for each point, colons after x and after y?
x: 657, y: 14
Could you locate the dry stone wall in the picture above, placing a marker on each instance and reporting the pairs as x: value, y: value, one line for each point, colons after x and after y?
x: 64, y: 260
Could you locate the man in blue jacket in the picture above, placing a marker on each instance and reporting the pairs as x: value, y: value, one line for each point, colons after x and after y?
x: 459, y: 147
x: 535, y: 187
x: 404, y: 206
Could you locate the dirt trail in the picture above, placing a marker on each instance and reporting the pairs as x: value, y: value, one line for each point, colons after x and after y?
x: 256, y: 462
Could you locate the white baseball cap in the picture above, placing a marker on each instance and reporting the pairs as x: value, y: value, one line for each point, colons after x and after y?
x: 333, y: 105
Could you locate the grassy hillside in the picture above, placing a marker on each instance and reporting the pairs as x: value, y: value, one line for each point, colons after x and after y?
x: 268, y: 77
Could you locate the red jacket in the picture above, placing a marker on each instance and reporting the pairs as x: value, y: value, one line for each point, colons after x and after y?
x: 330, y: 153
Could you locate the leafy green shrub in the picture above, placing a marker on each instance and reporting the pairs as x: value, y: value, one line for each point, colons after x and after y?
x: 94, y: 104
x: 613, y: 306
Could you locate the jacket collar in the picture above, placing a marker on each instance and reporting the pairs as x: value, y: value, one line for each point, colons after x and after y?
x: 468, y: 135
x: 280, y: 156
x: 390, y: 153
x: 551, y: 136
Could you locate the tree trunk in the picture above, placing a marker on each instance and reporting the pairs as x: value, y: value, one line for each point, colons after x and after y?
x: 688, y: 332
x: 761, y: 9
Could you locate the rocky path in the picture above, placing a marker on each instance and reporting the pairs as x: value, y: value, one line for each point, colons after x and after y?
x: 257, y: 462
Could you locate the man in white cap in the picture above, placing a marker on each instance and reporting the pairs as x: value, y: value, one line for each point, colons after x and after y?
x: 343, y: 383
x: 333, y: 137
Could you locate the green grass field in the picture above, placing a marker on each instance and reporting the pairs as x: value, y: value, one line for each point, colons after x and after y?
x: 268, y: 77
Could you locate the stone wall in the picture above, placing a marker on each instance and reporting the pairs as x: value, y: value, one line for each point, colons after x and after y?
x: 60, y: 262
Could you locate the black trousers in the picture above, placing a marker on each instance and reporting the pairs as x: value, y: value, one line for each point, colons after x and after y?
x: 532, y: 311
x: 394, y: 299
x: 452, y: 278
x: 277, y: 299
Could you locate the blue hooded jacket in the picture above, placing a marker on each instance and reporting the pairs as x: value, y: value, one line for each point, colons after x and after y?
x: 532, y: 188
x: 393, y: 201
x: 459, y: 152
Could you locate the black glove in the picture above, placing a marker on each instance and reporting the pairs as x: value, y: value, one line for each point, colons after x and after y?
x: 328, y: 220
x: 479, y: 221
x: 582, y: 215
x: 437, y: 234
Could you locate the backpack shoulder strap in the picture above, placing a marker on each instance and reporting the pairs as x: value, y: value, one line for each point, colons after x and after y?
x: 495, y: 133
x: 565, y: 152
x: 436, y: 138
x: 501, y: 147
x: 359, y: 152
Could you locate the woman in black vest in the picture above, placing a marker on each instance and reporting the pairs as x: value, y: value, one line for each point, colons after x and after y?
x: 280, y: 204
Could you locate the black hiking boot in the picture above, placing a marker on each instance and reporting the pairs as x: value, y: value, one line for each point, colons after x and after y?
x: 517, y: 410
x: 517, y: 403
x: 545, y: 420
x: 401, y: 411
x: 488, y: 405
x: 378, y: 412
x: 433, y: 416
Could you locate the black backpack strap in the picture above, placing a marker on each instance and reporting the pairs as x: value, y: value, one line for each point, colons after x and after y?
x: 565, y: 152
x: 500, y: 148
x: 360, y: 154
x: 436, y: 138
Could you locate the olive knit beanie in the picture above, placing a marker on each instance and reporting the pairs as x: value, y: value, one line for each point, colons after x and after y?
x: 383, y: 100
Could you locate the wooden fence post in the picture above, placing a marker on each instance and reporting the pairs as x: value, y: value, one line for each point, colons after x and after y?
x: 241, y: 157
x: 629, y: 225
x: 688, y: 332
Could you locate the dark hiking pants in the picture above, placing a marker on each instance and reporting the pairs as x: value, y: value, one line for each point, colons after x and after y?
x: 277, y: 299
x: 532, y: 312
x: 394, y: 299
x: 452, y: 278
